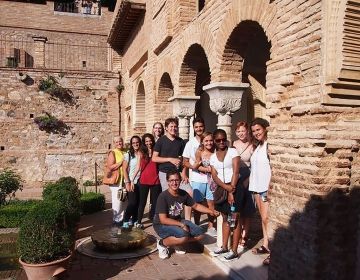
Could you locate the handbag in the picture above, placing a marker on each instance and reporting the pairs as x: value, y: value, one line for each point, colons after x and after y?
x: 122, y: 194
x: 220, y: 194
x: 111, y: 177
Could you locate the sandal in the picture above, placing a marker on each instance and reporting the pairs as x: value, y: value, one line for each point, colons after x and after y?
x: 260, y: 251
x: 267, y: 260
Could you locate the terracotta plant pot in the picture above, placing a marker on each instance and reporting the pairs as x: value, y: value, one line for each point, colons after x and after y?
x: 45, y: 271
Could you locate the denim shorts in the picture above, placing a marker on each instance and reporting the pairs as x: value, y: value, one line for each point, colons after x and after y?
x: 165, y: 231
x: 201, y: 191
x: 263, y: 195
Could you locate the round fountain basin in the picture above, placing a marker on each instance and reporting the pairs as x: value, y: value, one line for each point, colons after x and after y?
x: 116, y: 240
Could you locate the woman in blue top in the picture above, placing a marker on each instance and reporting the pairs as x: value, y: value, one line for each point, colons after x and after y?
x: 131, y: 170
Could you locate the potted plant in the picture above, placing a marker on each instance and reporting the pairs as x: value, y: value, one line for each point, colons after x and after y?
x: 10, y: 182
x: 45, y: 241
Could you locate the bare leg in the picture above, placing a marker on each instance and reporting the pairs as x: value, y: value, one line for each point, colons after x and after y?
x: 236, y: 235
x: 263, y: 209
x: 174, y: 241
x: 211, y: 206
x: 225, y: 232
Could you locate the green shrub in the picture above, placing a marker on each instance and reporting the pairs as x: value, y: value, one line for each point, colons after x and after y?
x: 44, y: 235
x: 88, y: 183
x: 92, y: 202
x: 10, y: 182
x: 65, y: 191
x: 13, y: 214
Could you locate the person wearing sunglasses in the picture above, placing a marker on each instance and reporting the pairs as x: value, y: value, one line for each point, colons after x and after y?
x: 225, y: 165
x: 168, y: 224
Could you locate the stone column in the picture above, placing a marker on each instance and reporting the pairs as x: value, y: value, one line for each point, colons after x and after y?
x: 225, y: 99
x: 184, y: 108
x: 39, y: 55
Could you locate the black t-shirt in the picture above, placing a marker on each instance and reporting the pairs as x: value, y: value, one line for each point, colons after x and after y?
x: 169, y: 148
x: 171, y: 205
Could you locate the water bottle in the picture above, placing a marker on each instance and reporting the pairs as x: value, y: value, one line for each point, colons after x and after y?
x: 232, y: 217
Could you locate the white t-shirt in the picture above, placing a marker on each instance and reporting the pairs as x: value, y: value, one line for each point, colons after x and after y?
x: 189, y: 152
x: 225, y: 168
x: 260, y: 170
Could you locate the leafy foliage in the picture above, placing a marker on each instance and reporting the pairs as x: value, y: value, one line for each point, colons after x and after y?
x: 44, y: 235
x: 49, y: 123
x: 66, y: 191
x: 51, y: 86
x: 92, y: 202
x: 13, y: 214
x: 10, y: 182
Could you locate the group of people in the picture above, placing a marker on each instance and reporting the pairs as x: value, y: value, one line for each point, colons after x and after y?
x: 183, y: 178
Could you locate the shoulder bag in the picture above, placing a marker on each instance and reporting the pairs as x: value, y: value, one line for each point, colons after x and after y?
x: 220, y: 194
x: 111, y: 177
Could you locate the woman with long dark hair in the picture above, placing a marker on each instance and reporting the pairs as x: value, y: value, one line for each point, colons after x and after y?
x: 260, y: 178
x: 149, y: 178
x: 131, y: 170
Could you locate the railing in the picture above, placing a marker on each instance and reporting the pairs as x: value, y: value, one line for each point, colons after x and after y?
x: 86, y: 7
x: 15, y: 52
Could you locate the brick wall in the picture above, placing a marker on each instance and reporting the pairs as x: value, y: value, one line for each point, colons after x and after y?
x: 313, y: 147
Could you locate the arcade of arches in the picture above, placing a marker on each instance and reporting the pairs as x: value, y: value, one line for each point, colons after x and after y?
x: 293, y: 62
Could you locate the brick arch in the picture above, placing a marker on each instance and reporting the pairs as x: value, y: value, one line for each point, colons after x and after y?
x: 194, y: 71
x: 140, y: 105
x: 260, y: 11
x: 164, y: 92
x: 196, y: 34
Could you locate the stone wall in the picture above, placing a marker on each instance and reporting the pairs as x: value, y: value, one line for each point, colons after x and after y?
x: 40, y: 156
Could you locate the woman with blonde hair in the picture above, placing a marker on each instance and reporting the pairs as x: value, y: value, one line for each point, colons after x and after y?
x: 245, y: 148
x: 114, y: 161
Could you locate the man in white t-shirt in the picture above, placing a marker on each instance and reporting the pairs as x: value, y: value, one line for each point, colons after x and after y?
x: 198, y: 180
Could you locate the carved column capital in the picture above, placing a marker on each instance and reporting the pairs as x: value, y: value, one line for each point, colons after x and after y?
x: 184, y: 106
x: 184, y: 109
x: 225, y: 97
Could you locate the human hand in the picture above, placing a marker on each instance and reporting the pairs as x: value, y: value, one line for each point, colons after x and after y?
x: 132, y: 186
x: 231, y: 199
x: 229, y: 188
x: 185, y: 228
x: 215, y: 213
x: 175, y: 161
x: 184, y: 179
x: 128, y: 186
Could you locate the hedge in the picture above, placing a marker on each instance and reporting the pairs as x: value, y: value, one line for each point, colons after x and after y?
x: 92, y: 202
x: 13, y: 214
x: 44, y: 235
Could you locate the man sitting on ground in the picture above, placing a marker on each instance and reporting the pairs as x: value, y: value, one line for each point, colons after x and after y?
x: 168, y: 224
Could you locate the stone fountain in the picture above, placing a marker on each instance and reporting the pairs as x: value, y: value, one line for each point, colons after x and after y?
x: 118, y: 243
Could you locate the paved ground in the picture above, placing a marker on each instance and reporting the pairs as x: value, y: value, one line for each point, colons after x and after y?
x: 196, y: 264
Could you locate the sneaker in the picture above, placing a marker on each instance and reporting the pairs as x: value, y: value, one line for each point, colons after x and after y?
x: 130, y: 223
x: 241, y: 248
x: 126, y: 225
x: 179, y: 250
x: 212, y: 232
x: 163, y: 251
x: 231, y: 256
x: 218, y: 252
x: 138, y: 225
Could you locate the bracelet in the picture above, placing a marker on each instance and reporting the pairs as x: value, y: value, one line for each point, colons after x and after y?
x: 126, y: 182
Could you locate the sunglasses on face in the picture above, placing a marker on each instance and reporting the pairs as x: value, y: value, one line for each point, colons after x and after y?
x: 223, y: 140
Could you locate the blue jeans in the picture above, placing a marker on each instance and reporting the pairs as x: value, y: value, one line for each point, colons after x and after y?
x: 165, y: 231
